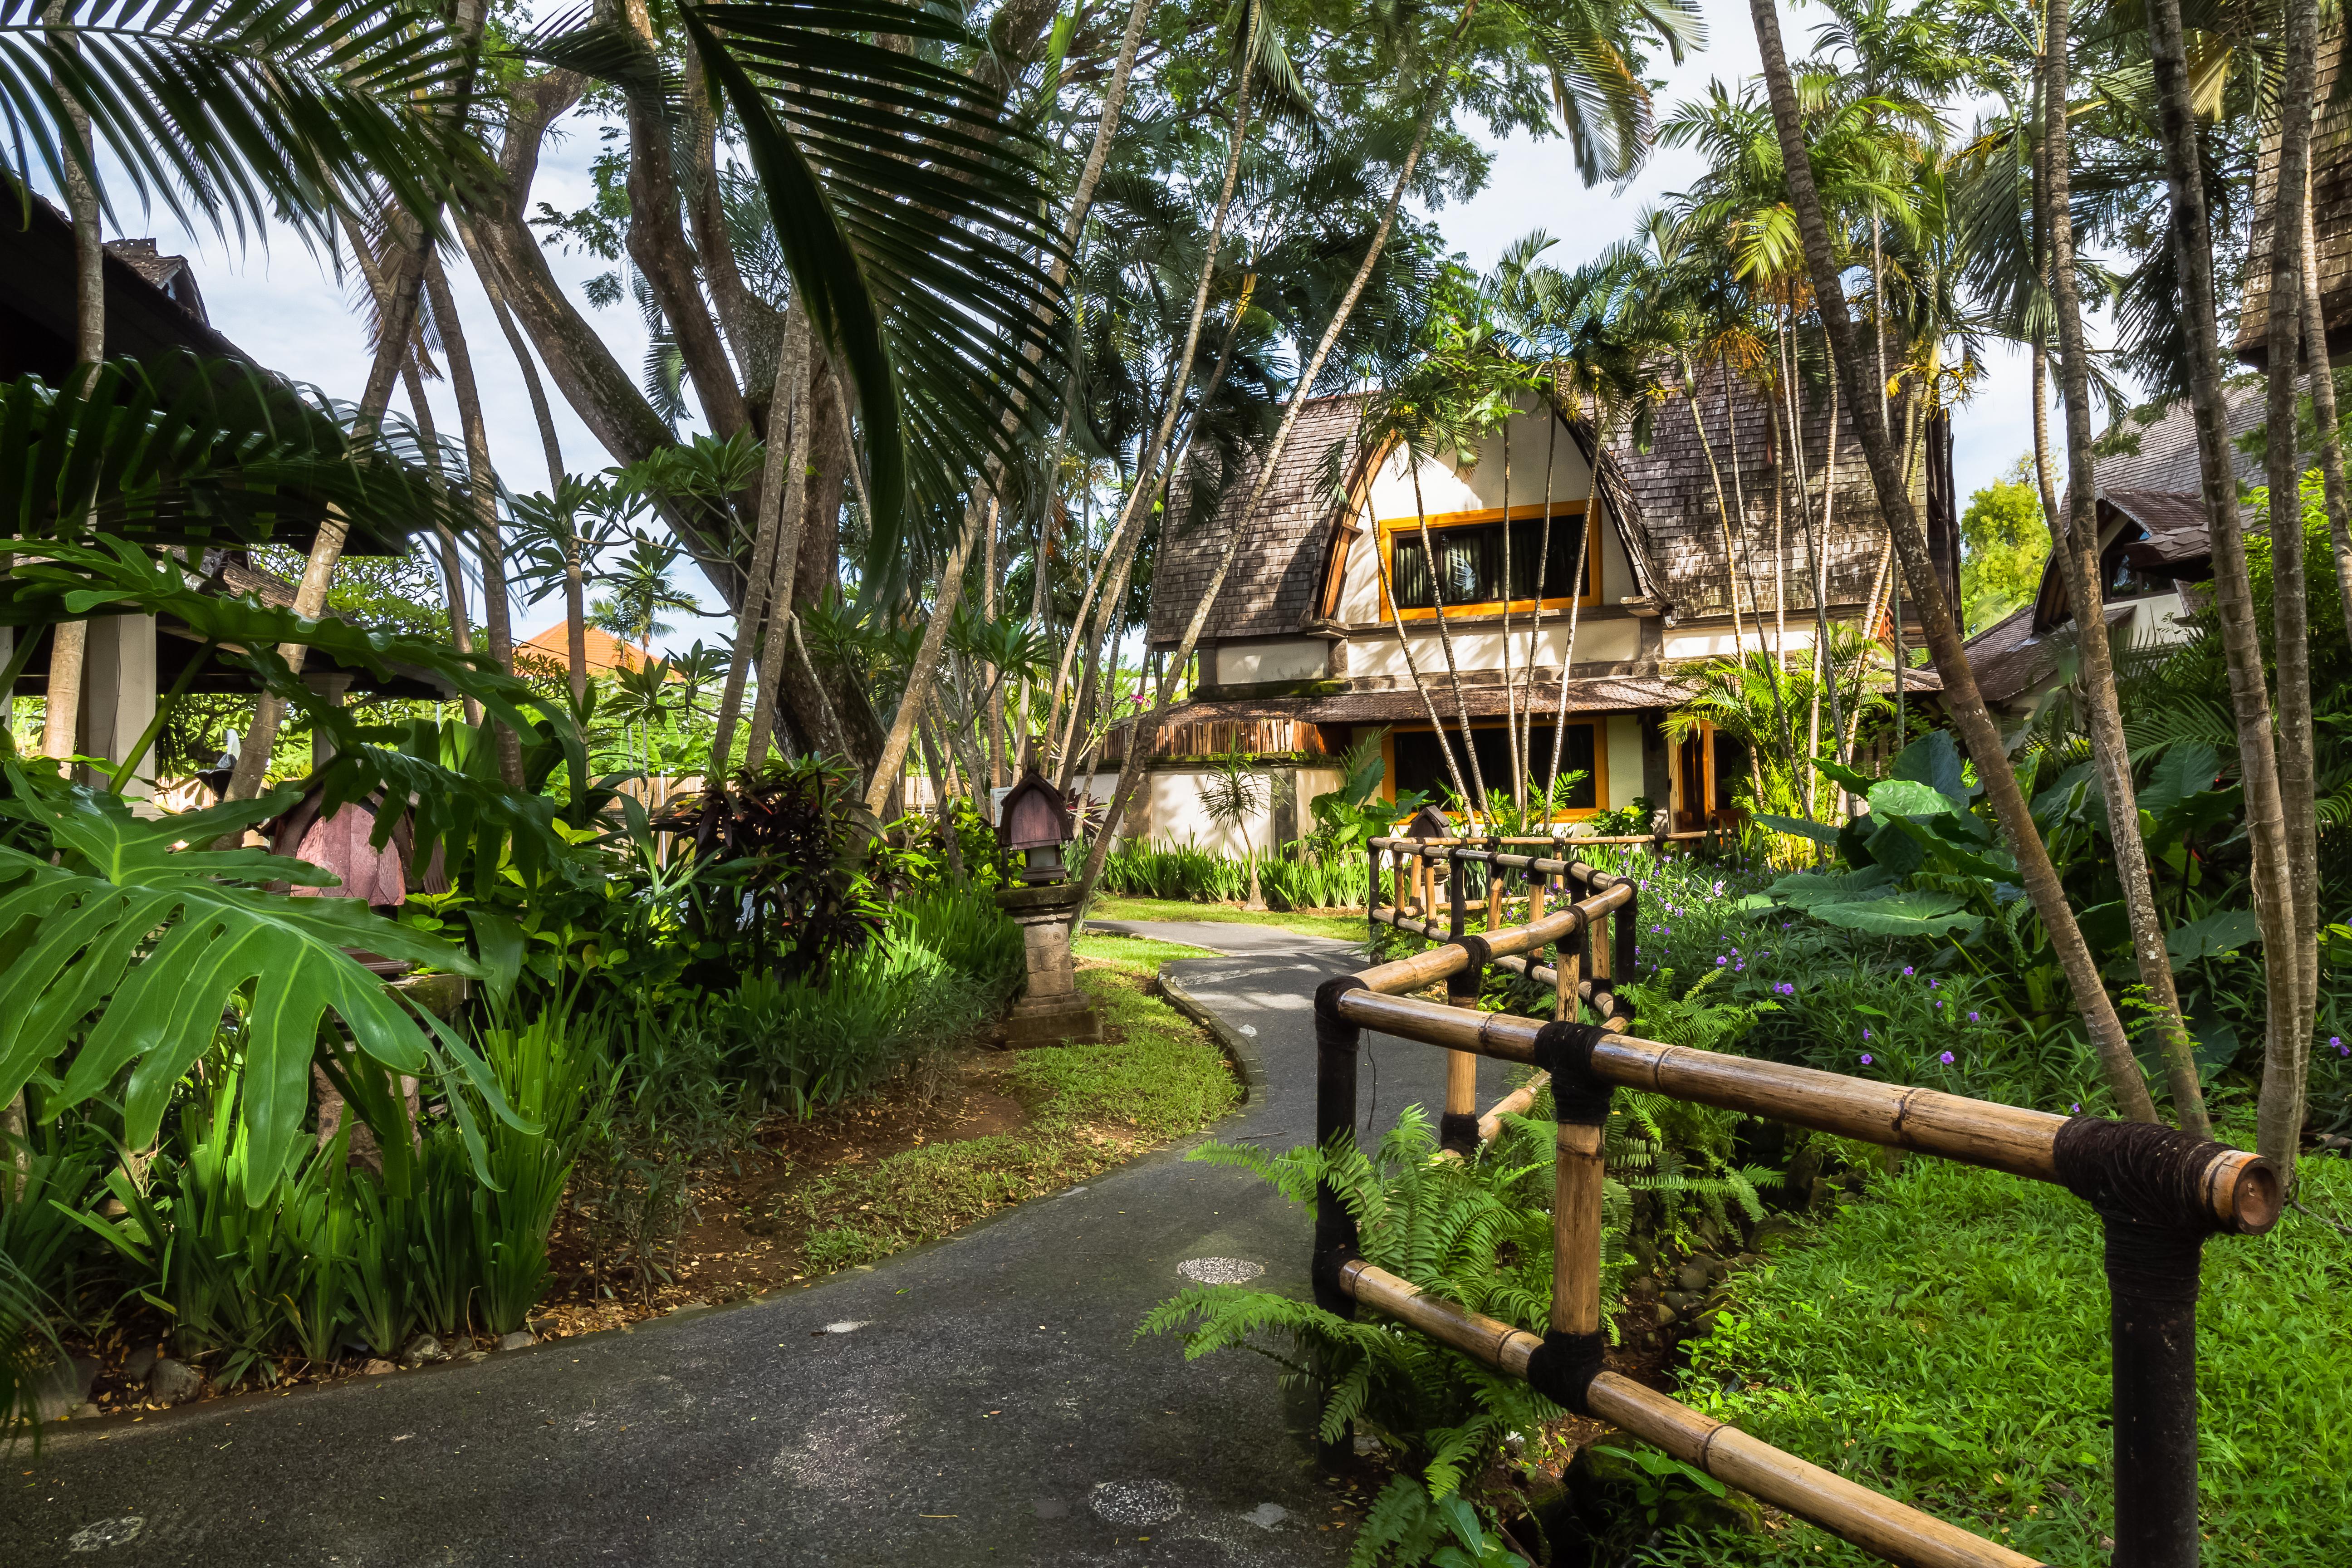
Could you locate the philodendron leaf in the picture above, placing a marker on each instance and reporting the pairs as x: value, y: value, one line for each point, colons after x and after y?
x: 1933, y: 760
x: 1809, y: 889
x: 1908, y: 798
x: 159, y: 941
x: 1819, y: 833
x: 1900, y: 914
x: 2224, y: 933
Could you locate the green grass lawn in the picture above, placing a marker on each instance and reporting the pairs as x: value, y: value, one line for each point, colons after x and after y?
x: 1347, y: 928
x: 1944, y: 1340
x: 1136, y: 954
x: 1156, y: 1077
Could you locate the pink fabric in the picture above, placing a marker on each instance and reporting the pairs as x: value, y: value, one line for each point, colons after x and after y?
x: 340, y: 843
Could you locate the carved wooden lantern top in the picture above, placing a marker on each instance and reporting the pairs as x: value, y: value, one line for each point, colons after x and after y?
x: 1035, y: 816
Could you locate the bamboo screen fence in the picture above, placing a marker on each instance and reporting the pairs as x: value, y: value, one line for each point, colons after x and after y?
x: 2160, y: 1193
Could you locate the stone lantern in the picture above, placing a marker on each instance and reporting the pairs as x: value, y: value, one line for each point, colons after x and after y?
x: 1036, y: 823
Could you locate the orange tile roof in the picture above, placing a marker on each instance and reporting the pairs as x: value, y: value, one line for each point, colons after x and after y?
x: 607, y: 652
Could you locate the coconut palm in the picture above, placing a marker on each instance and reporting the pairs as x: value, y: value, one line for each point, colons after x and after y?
x: 640, y: 593
x: 1962, y: 698
x: 1233, y: 792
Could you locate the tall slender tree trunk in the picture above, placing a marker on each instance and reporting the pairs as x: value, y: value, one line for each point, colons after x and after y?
x: 2323, y: 404
x: 1772, y: 669
x: 576, y: 584
x: 1146, y: 728
x: 452, y: 570
x: 1964, y: 702
x: 927, y: 661
x: 69, y: 640
x: 787, y: 427
x: 1510, y: 693
x: 1481, y: 801
x: 774, y: 628
x: 1180, y: 376
x: 2285, y: 1081
x: 1526, y: 701
x: 1412, y: 669
x: 2279, y: 1111
x: 1568, y: 648
x: 482, y: 481
x: 2077, y: 549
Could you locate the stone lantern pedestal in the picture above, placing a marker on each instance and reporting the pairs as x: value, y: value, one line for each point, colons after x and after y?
x: 1052, y: 1009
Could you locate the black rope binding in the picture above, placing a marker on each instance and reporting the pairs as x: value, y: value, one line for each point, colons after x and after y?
x: 1458, y: 1130
x: 1327, y: 1001
x: 1563, y: 1367
x: 2139, y: 1171
x: 1565, y: 1050
x: 1480, y: 950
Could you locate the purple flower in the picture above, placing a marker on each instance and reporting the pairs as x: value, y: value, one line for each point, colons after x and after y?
x: 1865, y: 1033
x: 1939, y: 1002
x: 1946, y: 1059
x: 1972, y: 1018
x: 1935, y: 985
x: 1908, y: 970
x: 2077, y: 1109
x: 1865, y: 1058
x: 1719, y: 962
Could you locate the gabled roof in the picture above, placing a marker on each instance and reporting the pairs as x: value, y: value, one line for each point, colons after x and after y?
x: 2331, y: 217
x: 2159, y: 452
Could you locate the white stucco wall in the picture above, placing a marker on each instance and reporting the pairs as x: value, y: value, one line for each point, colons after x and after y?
x: 1624, y: 760
x: 1271, y: 659
x: 1376, y: 654
x: 1177, y: 817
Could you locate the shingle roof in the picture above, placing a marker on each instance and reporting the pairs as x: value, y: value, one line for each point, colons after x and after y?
x: 1279, y: 568
x: 2161, y: 450
x: 1675, y: 491
x: 2174, y: 522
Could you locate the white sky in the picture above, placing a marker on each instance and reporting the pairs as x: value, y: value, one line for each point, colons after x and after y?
x: 283, y: 306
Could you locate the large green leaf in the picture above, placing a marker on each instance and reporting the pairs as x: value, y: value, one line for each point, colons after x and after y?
x: 2215, y: 935
x: 182, y: 449
x: 239, y: 112
x: 1933, y: 760
x: 1800, y: 827
x: 1908, y: 798
x: 1900, y: 914
x: 158, y: 940
x: 461, y: 811
x: 1809, y: 889
x: 909, y: 211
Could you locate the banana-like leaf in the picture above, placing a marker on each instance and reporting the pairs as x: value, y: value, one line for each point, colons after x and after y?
x: 1908, y: 798
x: 908, y: 210
x: 159, y: 941
x: 239, y: 111
x: 1800, y: 827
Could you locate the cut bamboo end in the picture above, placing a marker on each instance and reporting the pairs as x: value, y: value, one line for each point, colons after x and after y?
x: 2243, y: 1192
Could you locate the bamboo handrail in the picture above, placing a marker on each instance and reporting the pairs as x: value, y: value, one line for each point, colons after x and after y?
x: 1845, y: 1510
x: 1437, y: 964
x: 2240, y: 1190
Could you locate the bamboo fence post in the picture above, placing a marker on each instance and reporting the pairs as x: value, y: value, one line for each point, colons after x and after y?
x: 1337, y: 1044
x: 1580, y: 1103
x: 1457, y: 1129
x: 1372, y: 892
x: 1494, y: 886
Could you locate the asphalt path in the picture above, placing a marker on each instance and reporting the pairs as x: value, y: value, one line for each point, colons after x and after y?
x: 982, y: 1400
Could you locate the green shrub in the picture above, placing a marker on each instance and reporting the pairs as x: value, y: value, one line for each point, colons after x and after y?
x: 1188, y: 873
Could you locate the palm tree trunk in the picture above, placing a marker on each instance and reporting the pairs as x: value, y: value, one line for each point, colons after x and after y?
x: 1748, y: 557
x: 1146, y: 728
x: 1510, y: 693
x: 1568, y: 648
x: 69, y: 640
x: 1963, y: 701
x: 2077, y: 549
x: 927, y: 662
x: 2279, y: 1110
x: 1722, y: 503
x: 576, y: 595
x: 2290, y: 618
x: 1485, y: 804
x: 2323, y: 404
x: 989, y: 715
x: 1526, y: 701
x: 1180, y: 376
x: 787, y: 420
x: 453, y: 572
x: 1413, y: 669
x: 482, y: 481
x: 776, y: 624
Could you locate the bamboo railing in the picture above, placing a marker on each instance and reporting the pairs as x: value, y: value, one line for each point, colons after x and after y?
x: 2160, y: 1193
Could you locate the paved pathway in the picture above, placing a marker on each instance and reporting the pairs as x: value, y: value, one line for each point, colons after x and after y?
x: 982, y: 1400
x: 1232, y: 937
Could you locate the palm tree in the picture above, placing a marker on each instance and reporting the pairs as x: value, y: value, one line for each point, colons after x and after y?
x: 641, y: 593
x: 1963, y: 699
x: 1233, y: 792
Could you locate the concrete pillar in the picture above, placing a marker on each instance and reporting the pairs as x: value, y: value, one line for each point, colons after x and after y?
x: 118, y: 696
